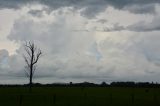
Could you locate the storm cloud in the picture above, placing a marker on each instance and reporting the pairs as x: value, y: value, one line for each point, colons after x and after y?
x: 90, y: 7
x: 81, y: 40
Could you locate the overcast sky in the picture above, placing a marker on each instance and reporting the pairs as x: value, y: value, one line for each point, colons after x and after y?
x: 81, y: 40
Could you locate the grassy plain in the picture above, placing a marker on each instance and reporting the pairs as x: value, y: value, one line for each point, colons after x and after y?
x: 79, y: 96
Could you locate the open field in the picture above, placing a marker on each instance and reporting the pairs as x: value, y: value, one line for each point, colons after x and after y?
x: 79, y: 96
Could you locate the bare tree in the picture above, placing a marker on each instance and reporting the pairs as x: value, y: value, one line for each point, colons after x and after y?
x: 31, y: 58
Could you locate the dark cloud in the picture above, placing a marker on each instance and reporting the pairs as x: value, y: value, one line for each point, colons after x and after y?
x: 140, y: 26
x: 37, y: 13
x: 144, y: 26
x: 13, y: 4
x: 103, y: 21
x: 91, y: 7
x: 140, y: 9
x: 116, y: 27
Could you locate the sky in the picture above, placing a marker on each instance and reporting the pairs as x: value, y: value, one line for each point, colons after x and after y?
x: 81, y: 40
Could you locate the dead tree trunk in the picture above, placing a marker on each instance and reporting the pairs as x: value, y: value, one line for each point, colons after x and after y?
x: 31, y: 58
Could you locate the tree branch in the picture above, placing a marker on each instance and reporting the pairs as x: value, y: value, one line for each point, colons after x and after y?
x: 37, y: 57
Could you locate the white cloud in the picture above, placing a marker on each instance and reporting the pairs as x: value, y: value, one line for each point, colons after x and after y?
x: 73, y: 51
x: 7, y: 17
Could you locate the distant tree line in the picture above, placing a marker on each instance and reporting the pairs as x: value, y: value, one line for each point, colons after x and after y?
x: 134, y: 84
x: 88, y: 84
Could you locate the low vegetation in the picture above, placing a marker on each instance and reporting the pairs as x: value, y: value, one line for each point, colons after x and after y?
x: 79, y: 96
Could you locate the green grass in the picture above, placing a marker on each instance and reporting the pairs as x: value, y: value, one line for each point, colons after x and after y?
x: 77, y: 96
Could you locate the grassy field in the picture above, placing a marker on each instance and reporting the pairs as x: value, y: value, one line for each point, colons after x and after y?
x: 78, y: 96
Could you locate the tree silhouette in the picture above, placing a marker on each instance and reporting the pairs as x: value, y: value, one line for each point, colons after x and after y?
x: 31, y: 58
